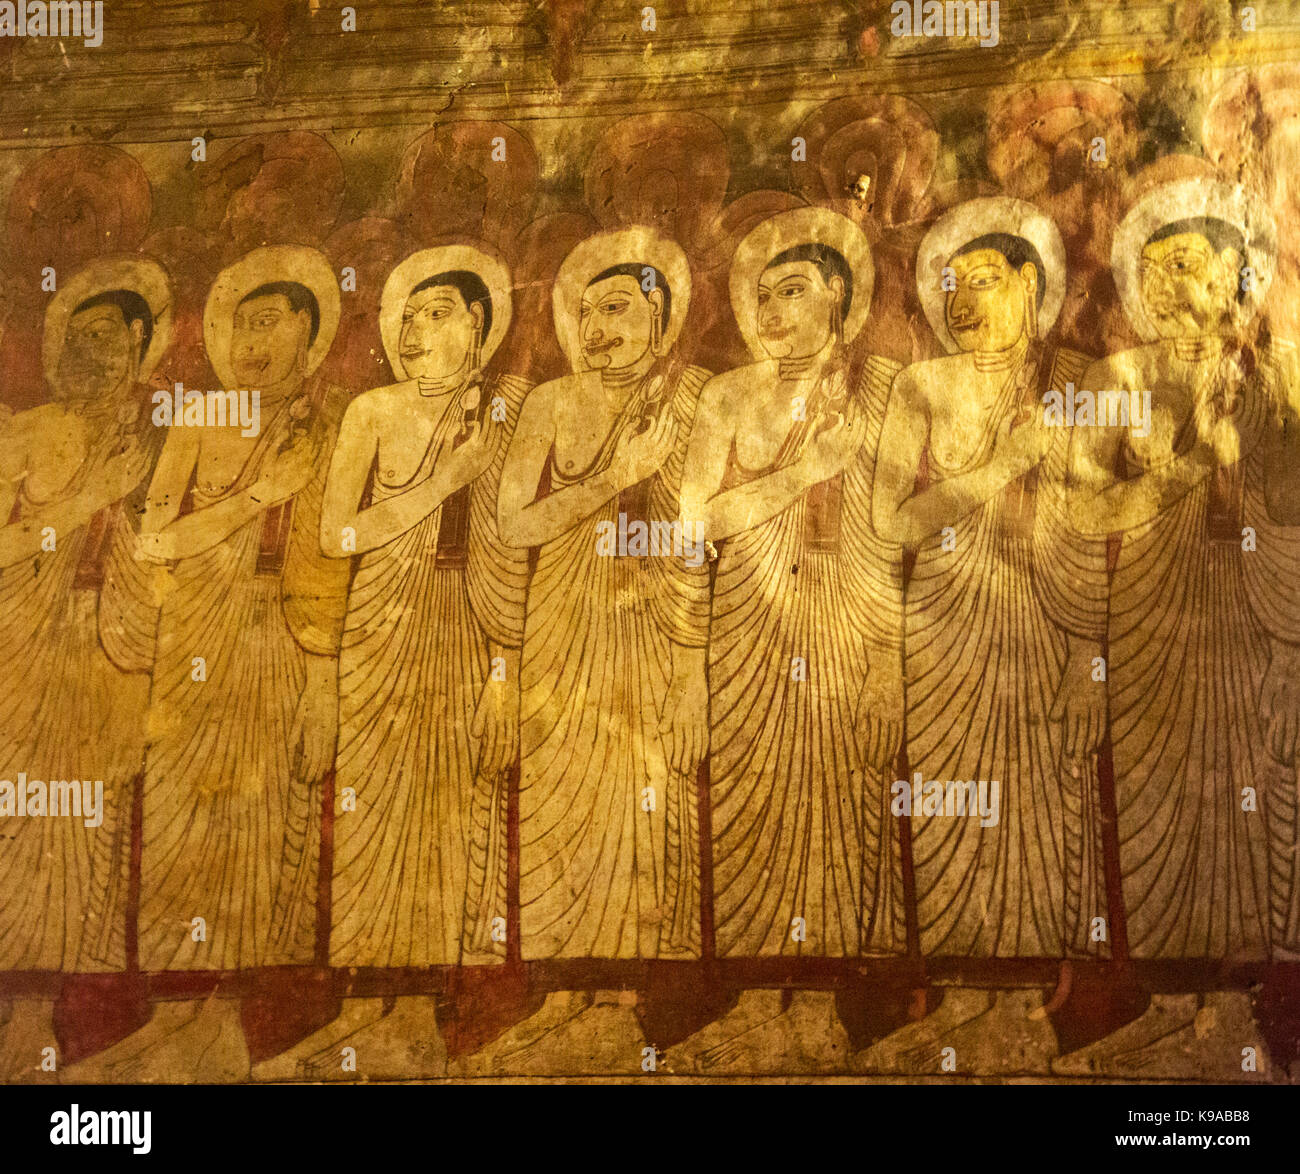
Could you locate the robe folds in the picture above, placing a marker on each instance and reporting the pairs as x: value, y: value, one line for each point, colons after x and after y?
x: 74, y: 689
x: 1192, y: 617
x: 608, y: 832
x: 231, y: 825
x: 420, y: 865
x: 801, y: 829
x: 985, y: 648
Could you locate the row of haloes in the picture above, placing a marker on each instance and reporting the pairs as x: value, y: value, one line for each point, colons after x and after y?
x: 414, y: 589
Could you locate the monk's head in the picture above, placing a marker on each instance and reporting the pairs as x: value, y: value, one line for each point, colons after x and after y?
x: 802, y: 294
x: 1000, y: 281
x: 104, y: 344
x: 446, y: 320
x: 625, y: 312
x: 1191, y: 277
x: 274, y: 328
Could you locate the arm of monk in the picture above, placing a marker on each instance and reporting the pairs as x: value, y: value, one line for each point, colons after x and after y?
x: 718, y: 513
x: 522, y: 518
x: 1100, y: 502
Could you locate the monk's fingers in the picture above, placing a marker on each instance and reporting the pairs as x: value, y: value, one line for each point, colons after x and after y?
x: 1288, y: 737
x: 1273, y: 735
x: 1057, y: 712
x: 1073, y: 745
x: 894, y: 741
x: 487, y: 747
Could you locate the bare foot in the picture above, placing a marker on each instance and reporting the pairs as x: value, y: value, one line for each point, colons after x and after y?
x: 290, y: 1065
x: 605, y: 1039
x: 559, y: 1008
x: 405, y: 1044
x: 1166, y: 1016
x: 1220, y: 1045
x: 208, y: 1049
x: 755, y: 1008
x: 101, y: 1067
x: 1005, y: 1040
x: 910, y: 1046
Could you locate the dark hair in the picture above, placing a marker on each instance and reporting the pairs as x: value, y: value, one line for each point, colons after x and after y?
x: 830, y: 263
x: 296, y: 294
x: 634, y: 271
x: 1015, y: 250
x: 1218, y: 234
x: 471, y: 289
x: 133, y: 308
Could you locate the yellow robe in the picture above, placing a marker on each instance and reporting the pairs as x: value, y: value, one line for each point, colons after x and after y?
x: 73, y: 692
x: 801, y: 829
x: 985, y: 647
x: 1191, y: 614
x: 420, y: 865
x: 599, y: 875
x: 231, y: 829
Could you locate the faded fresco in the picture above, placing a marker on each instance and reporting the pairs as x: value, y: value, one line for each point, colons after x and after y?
x: 565, y: 540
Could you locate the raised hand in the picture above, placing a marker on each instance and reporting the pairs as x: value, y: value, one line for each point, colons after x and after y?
x: 640, y: 455
x: 473, y: 455
x: 288, y: 473
x: 829, y: 452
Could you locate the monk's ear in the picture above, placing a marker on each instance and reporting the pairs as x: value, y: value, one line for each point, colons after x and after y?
x: 1029, y: 275
x: 1232, y: 263
x: 476, y: 313
x: 136, y: 330
x: 656, y: 299
x: 836, y: 286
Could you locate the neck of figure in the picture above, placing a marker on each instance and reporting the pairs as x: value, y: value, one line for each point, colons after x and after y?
x: 433, y: 385
x: 277, y: 393
x: 1002, y: 360
x: 621, y: 382
x: 792, y: 370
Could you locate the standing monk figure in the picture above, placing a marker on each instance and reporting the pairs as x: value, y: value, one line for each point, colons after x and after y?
x: 77, y: 635
x: 429, y: 667
x: 1004, y: 615
x: 804, y: 672
x: 1204, y: 618
x: 244, y: 697
x: 612, y: 713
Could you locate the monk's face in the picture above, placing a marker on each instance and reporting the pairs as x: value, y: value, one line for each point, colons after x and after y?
x: 99, y: 354
x: 795, y: 307
x: 1188, y: 289
x: 438, y: 332
x: 269, y: 343
x: 616, y: 322
x: 986, y: 312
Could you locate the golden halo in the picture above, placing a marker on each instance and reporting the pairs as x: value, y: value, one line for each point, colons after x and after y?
x: 139, y: 275
x: 1191, y: 199
x: 428, y: 263
x: 786, y: 230
x: 638, y: 245
x: 970, y: 221
x: 306, y: 266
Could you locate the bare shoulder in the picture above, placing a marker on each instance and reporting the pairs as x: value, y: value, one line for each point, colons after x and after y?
x: 916, y: 383
x: 1123, y: 369
x: 725, y: 396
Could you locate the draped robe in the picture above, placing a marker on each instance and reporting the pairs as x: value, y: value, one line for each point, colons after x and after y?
x: 231, y: 826
x: 1191, y: 617
x: 420, y: 865
x: 73, y: 693
x: 600, y: 876
x: 800, y: 827
x: 985, y: 647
